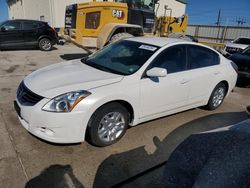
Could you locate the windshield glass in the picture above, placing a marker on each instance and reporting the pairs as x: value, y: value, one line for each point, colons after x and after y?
x: 124, y: 57
x: 140, y: 4
x: 246, y: 51
x: 242, y: 41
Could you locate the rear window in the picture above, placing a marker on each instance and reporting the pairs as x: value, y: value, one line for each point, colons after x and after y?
x: 31, y: 25
x: 92, y: 20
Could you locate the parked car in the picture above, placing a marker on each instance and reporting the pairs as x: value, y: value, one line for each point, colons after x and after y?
x: 27, y: 33
x: 236, y: 46
x: 242, y: 60
x: 183, y: 37
x: 124, y: 84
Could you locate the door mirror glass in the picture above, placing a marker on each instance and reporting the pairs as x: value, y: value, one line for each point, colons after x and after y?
x: 157, y: 72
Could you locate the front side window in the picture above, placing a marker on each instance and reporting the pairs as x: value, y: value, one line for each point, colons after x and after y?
x: 201, y: 57
x: 172, y: 59
x: 124, y: 57
x: 92, y: 20
x: 13, y: 25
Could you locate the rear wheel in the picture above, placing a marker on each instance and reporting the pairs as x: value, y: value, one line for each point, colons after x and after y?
x: 108, y: 124
x: 120, y: 36
x: 217, y: 96
x: 45, y: 44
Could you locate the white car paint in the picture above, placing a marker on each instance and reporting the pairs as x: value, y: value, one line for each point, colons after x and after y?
x: 149, y: 100
x: 54, y: 79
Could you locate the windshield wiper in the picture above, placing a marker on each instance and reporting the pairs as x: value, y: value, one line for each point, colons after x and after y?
x: 84, y: 59
x: 100, y: 67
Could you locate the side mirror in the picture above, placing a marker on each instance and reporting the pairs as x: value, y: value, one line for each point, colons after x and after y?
x: 157, y: 72
x: 3, y: 29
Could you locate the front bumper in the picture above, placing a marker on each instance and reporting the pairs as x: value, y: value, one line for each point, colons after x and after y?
x: 53, y: 127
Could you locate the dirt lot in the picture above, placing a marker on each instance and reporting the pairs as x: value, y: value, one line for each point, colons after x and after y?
x: 31, y: 162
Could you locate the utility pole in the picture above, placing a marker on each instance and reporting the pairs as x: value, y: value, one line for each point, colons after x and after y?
x: 218, y: 19
x: 218, y: 24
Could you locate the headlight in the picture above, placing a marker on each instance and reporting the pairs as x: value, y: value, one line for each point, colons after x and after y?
x: 65, y: 102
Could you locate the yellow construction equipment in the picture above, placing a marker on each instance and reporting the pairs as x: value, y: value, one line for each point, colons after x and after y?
x: 96, y: 24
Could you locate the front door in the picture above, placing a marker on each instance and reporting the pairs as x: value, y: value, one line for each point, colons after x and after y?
x: 10, y: 35
x: 162, y: 94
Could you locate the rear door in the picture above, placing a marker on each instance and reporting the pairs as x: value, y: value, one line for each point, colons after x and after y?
x: 204, y: 72
x: 30, y: 32
x: 11, y: 36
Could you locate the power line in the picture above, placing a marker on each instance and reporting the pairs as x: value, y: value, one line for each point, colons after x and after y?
x: 240, y: 21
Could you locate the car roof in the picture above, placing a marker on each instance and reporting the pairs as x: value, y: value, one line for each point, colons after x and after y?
x: 26, y: 20
x: 241, y: 37
x: 156, y: 41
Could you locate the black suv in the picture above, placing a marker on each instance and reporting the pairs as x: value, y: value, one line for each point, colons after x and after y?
x: 242, y: 60
x: 27, y: 33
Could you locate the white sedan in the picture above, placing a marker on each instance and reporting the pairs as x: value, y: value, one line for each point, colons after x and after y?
x: 124, y: 84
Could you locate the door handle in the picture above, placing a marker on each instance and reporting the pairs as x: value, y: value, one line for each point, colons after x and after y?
x: 184, y: 81
x: 216, y: 73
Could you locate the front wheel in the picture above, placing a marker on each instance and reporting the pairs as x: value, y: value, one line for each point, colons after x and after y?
x: 45, y: 44
x: 108, y: 124
x: 217, y: 96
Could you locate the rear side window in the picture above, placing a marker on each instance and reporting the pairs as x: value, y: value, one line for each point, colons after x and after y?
x: 12, y: 25
x: 173, y: 59
x: 199, y: 57
x: 31, y: 25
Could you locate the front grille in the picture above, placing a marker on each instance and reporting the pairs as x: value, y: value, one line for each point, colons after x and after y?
x: 27, y: 97
x: 233, y: 50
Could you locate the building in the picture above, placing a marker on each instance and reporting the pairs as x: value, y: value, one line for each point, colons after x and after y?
x: 176, y: 8
x: 53, y: 11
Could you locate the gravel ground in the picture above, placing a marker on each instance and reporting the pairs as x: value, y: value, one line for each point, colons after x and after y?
x: 28, y: 161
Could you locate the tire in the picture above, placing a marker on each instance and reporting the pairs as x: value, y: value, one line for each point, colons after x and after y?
x: 119, y: 36
x: 100, y: 134
x: 45, y: 44
x: 217, y: 96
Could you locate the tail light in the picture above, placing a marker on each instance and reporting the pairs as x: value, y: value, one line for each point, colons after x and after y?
x: 235, y: 67
x: 52, y: 29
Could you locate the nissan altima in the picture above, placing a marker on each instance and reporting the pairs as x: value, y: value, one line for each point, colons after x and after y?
x: 126, y: 83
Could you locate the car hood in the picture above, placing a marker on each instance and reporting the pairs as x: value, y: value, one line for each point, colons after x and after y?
x: 237, y: 57
x: 68, y: 76
x: 235, y: 45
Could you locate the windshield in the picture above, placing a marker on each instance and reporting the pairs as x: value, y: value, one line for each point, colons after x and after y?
x: 242, y: 41
x: 124, y: 57
x: 140, y: 4
x: 246, y: 51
